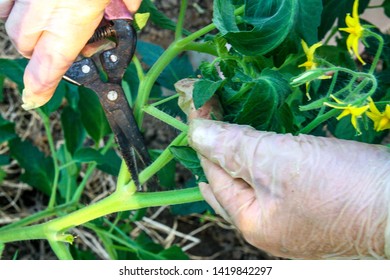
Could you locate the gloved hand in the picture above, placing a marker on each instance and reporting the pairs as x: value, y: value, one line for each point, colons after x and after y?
x: 296, y: 196
x: 52, y: 33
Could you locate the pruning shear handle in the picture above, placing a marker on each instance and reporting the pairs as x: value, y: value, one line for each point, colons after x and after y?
x: 120, y: 116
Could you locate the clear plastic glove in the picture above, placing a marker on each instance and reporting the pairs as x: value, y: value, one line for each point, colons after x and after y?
x: 294, y: 196
x: 52, y: 33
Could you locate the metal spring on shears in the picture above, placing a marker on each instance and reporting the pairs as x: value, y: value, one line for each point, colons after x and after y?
x: 101, y: 33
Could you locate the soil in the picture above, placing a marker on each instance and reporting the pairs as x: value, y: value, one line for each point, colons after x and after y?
x: 202, y: 237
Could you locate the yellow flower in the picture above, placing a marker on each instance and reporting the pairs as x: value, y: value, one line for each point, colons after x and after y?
x: 381, y: 120
x: 355, y: 31
x: 348, y: 109
x: 310, y: 64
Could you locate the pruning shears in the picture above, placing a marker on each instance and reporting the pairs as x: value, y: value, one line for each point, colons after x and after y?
x: 114, y: 62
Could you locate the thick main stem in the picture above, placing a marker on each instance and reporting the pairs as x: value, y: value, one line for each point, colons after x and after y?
x: 118, y: 201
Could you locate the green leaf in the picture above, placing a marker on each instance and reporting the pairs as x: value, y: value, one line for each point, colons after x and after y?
x: 204, y: 90
x: 110, y: 163
x: 179, y: 68
x: 92, y: 115
x: 2, y: 78
x: 308, y: 20
x: 157, y: 17
x: 7, y: 130
x: 13, y: 69
x: 108, y: 244
x: 4, y: 159
x: 55, y: 102
x: 336, y: 9
x: 343, y: 129
x: 88, y: 155
x: 337, y: 56
x: 386, y: 7
x: 140, y: 20
x: 67, y: 184
x: 81, y: 253
x: 3, y: 174
x: 38, y: 169
x: 74, y: 132
x: 263, y: 27
x: 189, y: 159
x: 173, y: 253
x: 198, y: 207
x: 209, y: 71
x: 72, y: 95
x: 2, y: 246
x: 263, y: 100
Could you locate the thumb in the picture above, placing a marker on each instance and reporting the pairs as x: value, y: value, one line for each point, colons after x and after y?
x: 57, y: 46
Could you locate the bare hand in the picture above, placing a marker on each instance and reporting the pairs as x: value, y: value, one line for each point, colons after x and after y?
x: 52, y: 33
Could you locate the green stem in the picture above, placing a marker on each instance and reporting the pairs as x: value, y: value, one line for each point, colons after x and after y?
x: 147, y: 83
x: 46, y: 123
x: 138, y: 68
x: 163, y: 159
x: 61, y: 250
x: 123, y: 201
x: 331, y: 88
x: 23, y: 233
x: 168, y: 119
x: 162, y: 101
x: 205, y: 47
x: 378, y: 52
x: 171, y: 52
x: 118, y: 201
x: 192, y: 37
x: 317, y: 121
x: 180, y: 20
x: 40, y: 215
x: 124, y: 176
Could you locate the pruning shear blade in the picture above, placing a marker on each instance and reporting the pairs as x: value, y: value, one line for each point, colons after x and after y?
x: 120, y: 116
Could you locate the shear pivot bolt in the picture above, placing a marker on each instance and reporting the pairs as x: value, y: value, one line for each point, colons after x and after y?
x: 112, y: 95
x: 85, y: 69
x: 113, y: 58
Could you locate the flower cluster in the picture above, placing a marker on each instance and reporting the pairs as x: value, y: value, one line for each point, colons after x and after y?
x: 367, y: 107
x: 381, y: 119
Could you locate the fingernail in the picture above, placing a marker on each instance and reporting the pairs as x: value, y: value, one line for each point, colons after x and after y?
x: 28, y: 100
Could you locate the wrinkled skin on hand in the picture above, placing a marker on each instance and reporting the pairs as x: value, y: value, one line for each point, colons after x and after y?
x: 300, y: 196
x: 52, y: 33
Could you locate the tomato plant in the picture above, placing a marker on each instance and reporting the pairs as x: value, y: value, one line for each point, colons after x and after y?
x: 269, y: 71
